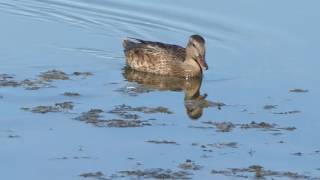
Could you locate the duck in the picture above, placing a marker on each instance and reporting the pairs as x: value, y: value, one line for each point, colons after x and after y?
x: 166, y: 59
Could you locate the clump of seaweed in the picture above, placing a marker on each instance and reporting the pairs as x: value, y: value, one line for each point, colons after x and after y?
x: 258, y: 171
x: 83, y: 74
x: 68, y: 105
x: 71, y: 94
x: 229, y: 126
x: 224, y: 145
x: 42, y: 109
x: 96, y: 175
x: 298, y: 90
x: 7, y: 80
x: 222, y: 126
x: 212, y: 146
x: 265, y: 126
x: 157, y: 173
x: 43, y: 81
x: 269, y: 107
x: 54, y: 75
x: 94, y: 117
x: 121, y: 123
x: 58, y: 107
x: 13, y: 136
x: 134, y: 89
x: 34, y: 84
x: 125, y: 111
x: 162, y: 142
x: 91, y: 116
x: 60, y: 75
x: 189, y: 165
x: 73, y: 157
x: 143, y: 109
x: 288, y: 112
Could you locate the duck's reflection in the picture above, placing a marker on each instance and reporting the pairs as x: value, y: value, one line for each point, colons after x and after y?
x: 194, y: 102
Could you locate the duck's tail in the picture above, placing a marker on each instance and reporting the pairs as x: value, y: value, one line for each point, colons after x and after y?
x: 125, y: 43
x: 136, y: 39
x: 130, y: 41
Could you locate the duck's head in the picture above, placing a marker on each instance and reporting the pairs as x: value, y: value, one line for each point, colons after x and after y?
x: 196, y: 50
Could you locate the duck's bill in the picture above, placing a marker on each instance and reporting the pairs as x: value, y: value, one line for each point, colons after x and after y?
x: 202, y: 63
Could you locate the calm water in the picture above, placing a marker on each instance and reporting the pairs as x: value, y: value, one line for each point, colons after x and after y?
x: 257, y: 52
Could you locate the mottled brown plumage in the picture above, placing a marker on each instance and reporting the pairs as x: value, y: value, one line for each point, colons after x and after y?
x: 166, y: 59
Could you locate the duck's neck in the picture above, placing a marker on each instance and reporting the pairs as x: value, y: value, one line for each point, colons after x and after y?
x: 192, y: 68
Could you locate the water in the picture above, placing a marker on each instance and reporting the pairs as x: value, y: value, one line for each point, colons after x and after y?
x: 256, y: 51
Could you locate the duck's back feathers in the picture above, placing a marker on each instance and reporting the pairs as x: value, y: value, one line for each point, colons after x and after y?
x: 154, y: 57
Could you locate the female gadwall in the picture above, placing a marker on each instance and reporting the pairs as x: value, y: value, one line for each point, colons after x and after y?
x: 166, y: 59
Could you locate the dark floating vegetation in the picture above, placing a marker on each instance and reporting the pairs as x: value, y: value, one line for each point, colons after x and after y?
x: 127, y: 112
x: 90, y: 116
x: 35, y: 84
x: 229, y: 126
x: 190, y: 165
x: 299, y: 90
x: 121, y: 123
x: 74, y: 158
x: 162, y: 142
x: 134, y: 89
x: 223, y: 145
x: 269, y: 107
x: 84, y: 74
x: 297, y: 154
x: 60, y: 75
x: 65, y: 105
x: 219, y: 126
x: 53, y: 75
x: 257, y: 171
x: 210, y: 147
x: 316, y: 152
x: 265, y: 126
x: 6, y: 80
x: 222, y: 126
x: 11, y: 136
x: 97, y: 175
x: 71, y: 94
x: 123, y: 111
x: 288, y: 112
x: 94, y: 117
x: 43, y: 81
x: 157, y: 173
x: 57, y: 107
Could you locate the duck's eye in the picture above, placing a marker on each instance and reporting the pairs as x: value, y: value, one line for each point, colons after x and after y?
x: 193, y: 45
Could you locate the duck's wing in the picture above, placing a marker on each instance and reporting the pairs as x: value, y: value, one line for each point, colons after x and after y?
x: 149, y: 56
x: 173, y: 52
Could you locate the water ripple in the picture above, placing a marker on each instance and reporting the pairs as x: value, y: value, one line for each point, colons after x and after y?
x: 120, y: 18
x: 96, y: 52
